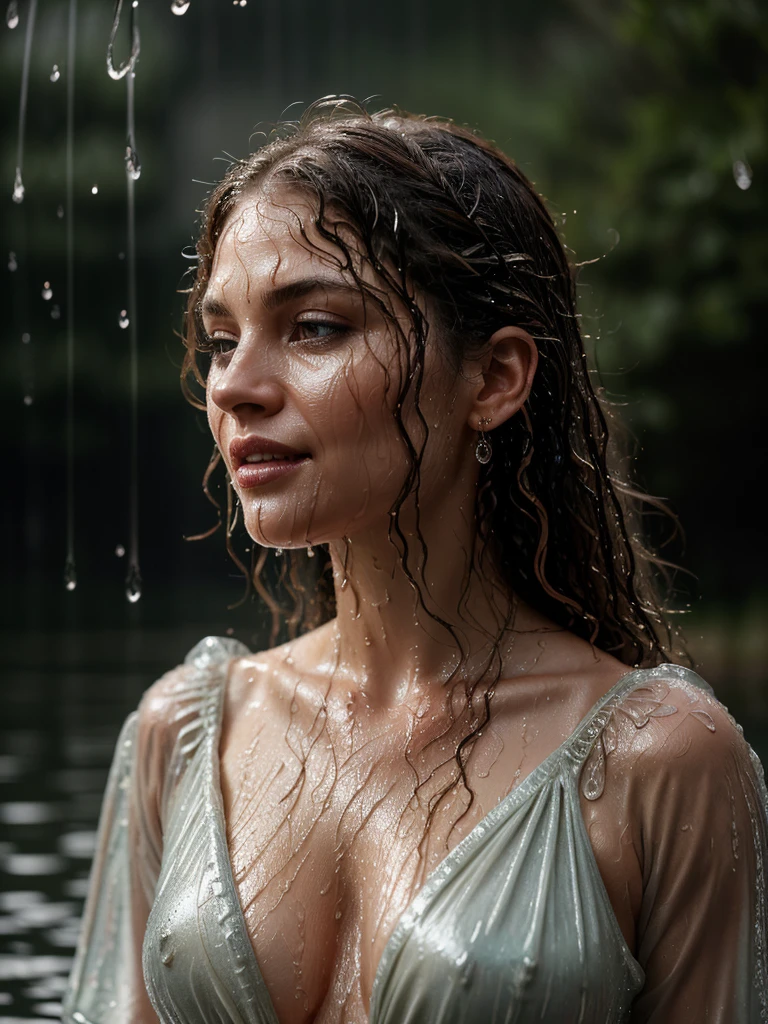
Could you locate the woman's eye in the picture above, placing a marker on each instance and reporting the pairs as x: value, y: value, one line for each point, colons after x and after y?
x: 318, y: 331
x: 216, y: 343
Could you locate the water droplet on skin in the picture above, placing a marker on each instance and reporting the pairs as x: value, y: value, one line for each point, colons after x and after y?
x: 70, y: 575
x: 120, y: 551
x: 94, y: 190
x: 18, y: 187
x: 337, y: 915
x: 12, y: 264
x: 132, y: 163
x: 28, y: 399
x: 180, y: 6
x: 123, y: 321
x: 133, y: 585
x: 47, y: 293
x: 55, y: 313
x: 12, y: 15
x: 294, y: 707
x: 55, y: 73
x: 60, y: 212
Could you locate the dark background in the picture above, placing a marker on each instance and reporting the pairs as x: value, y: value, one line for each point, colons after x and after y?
x: 634, y: 120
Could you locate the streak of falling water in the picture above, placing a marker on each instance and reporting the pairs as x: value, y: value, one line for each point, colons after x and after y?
x: 18, y: 184
x: 133, y: 579
x: 70, y: 573
x: 132, y: 172
x: 12, y: 14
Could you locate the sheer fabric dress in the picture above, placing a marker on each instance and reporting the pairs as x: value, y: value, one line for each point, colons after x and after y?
x: 513, y: 925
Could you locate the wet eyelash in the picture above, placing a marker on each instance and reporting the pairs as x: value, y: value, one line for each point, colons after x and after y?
x: 336, y: 330
x: 207, y: 343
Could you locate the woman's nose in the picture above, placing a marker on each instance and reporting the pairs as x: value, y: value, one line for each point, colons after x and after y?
x: 242, y: 388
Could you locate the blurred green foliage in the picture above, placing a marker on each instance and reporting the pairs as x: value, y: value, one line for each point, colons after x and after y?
x: 634, y: 118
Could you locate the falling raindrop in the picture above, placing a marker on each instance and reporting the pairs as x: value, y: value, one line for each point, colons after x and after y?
x: 60, y: 212
x: 28, y: 399
x: 123, y: 321
x: 18, y: 187
x: 133, y: 584
x: 120, y: 551
x: 55, y: 73
x: 12, y: 263
x: 121, y: 255
x: 94, y: 190
x: 120, y: 72
x: 70, y: 575
x: 12, y: 20
x: 180, y: 6
x: 47, y: 292
x: 55, y: 313
x: 26, y: 338
x: 132, y: 163
x: 742, y: 174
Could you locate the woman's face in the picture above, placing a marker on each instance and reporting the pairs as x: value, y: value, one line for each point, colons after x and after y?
x: 304, y: 364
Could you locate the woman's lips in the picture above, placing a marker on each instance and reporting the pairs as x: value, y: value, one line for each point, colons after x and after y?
x: 254, y: 474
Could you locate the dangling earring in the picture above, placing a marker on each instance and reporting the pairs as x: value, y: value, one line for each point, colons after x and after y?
x: 483, y: 450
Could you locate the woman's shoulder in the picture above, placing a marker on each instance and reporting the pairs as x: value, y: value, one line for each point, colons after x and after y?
x: 668, y: 726
x: 185, y: 689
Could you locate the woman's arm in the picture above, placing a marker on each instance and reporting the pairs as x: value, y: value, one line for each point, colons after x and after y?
x: 106, y: 985
x: 689, y: 802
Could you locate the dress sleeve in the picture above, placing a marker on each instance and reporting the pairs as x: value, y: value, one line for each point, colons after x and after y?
x: 697, y: 798
x: 106, y: 985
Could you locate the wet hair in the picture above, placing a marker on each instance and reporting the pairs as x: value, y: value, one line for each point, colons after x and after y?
x: 439, y: 212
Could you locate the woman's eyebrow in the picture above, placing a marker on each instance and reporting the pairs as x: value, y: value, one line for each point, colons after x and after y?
x: 284, y: 293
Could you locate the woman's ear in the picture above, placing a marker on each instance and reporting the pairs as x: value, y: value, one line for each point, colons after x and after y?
x: 507, y: 376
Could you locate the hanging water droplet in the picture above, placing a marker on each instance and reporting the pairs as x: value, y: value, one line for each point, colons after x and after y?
x: 55, y: 313
x: 123, y: 321
x: 133, y: 584
x: 12, y: 264
x: 26, y: 338
x: 18, y: 187
x: 120, y: 551
x: 310, y: 552
x: 742, y: 174
x: 70, y: 576
x: 12, y: 14
x: 28, y: 399
x: 94, y: 190
x: 55, y: 73
x: 46, y: 292
x: 60, y: 212
x: 278, y: 552
x: 180, y: 6
x: 132, y: 163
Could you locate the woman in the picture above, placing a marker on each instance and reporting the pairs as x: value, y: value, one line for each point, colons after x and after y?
x: 470, y: 786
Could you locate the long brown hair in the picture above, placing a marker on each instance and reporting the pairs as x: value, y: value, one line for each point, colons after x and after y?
x: 438, y: 210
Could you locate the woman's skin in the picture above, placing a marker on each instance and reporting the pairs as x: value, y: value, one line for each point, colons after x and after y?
x: 325, y: 738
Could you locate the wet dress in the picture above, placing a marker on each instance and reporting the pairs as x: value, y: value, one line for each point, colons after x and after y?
x: 514, y: 925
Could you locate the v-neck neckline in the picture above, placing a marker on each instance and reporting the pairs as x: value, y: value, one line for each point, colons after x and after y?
x: 442, y: 871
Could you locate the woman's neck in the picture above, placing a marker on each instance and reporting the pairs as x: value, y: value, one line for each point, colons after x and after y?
x: 396, y: 626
